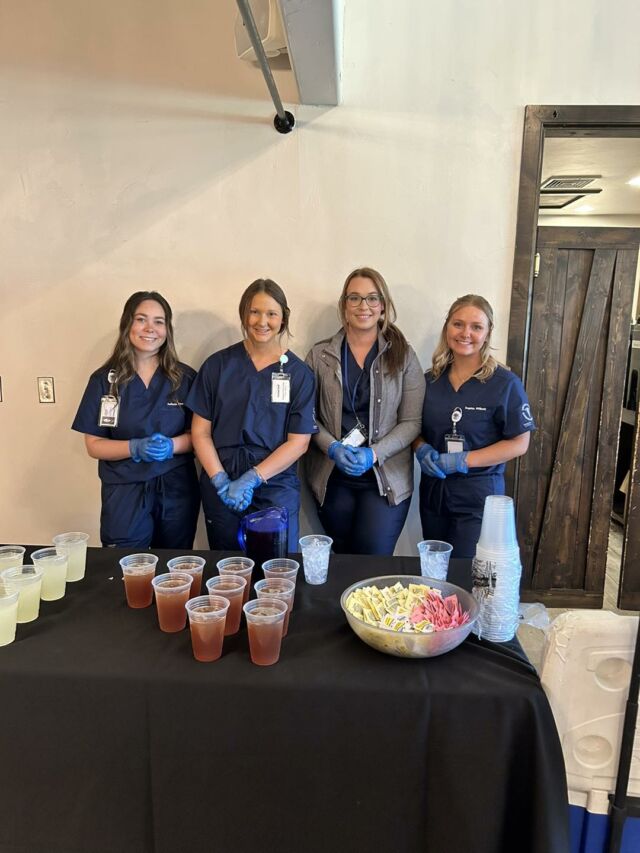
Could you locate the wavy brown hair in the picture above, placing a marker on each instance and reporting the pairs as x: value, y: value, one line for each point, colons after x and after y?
x: 123, y: 360
x: 396, y: 354
x: 272, y: 289
x: 442, y: 355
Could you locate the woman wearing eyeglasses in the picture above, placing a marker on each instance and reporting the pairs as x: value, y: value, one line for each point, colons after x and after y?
x: 370, y: 390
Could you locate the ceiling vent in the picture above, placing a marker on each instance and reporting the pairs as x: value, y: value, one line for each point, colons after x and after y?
x: 568, y: 182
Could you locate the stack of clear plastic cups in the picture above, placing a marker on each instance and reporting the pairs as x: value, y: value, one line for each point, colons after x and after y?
x: 496, y: 571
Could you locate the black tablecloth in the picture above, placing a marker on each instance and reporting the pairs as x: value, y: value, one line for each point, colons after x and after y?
x: 113, y: 739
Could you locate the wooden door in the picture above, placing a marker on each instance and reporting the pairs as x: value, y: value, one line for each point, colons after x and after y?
x: 580, y: 315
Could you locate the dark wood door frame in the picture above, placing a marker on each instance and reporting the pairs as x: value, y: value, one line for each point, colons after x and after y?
x: 557, y: 121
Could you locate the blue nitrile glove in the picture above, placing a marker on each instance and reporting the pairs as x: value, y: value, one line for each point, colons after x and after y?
x: 344, y: 458
x: 364, y: 456
x: 220, y: 483
x: 144, y: 449
x: 427, y: 456
x: 240, y: 492
x: 161, y: 448
x: 453, y: 463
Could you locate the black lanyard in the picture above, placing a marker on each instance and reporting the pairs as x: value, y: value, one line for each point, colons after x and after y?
x: 345, y: 376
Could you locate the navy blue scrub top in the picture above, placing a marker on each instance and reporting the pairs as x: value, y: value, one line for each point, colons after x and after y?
x: 491, y: 411
x: 143, y: 411
x: 355, y: 378
x: 236, y: 398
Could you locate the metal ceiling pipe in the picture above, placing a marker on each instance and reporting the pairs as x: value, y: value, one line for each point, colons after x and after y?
x: 284, y: 120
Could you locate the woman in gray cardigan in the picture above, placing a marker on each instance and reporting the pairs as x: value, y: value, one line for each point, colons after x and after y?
x: 370, y: 390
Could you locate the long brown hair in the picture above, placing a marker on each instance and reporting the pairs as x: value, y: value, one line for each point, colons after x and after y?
x: 122, y: 360
x: 442, y: 355
x: 396, y: 354
x: 272, y: 289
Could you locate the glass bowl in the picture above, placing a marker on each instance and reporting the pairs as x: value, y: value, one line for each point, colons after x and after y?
x: 412, y: 645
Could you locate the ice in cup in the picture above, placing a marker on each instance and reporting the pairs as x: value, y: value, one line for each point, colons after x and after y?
x: 315, y: 557
x: 138, y: 570
x: 172, y: 593
x: 193, y: 566
x: 11, y: 556
x: 207, y: 616
x: 8, y: 612
x: 434, y: 558
x: 279, y: 588
x: 281, y: 567
x: 54, y: 572
x: 74, y: 545
x: 232, y: 588
x: 241, y: 566
x: 27, y: 580
x: 265, y: 618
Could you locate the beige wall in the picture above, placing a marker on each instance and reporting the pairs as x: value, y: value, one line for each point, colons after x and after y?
x: 132, y: 156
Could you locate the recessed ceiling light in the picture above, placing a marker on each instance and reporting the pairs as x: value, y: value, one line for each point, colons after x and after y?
x: 634, y: 182
x: 584, y: 208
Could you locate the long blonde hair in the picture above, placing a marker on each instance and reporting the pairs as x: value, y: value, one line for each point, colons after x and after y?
x: 395, y: 356
x: 442, y: 355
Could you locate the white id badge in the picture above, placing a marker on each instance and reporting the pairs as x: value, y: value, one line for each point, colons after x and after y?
x: 454, y: 442
x: 280, y: 387
x: 109, y: 411
x: 356, y: 437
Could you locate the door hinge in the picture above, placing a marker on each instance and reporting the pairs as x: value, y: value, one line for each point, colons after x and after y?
x: 536, y: 265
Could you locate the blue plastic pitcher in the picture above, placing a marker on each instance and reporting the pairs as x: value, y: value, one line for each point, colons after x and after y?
x: 264, y: 535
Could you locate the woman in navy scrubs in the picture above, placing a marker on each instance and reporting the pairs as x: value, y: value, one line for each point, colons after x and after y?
x: 370, y: 393
x: 253, y: 406
x: 476, y: 417
x: 135, y: 423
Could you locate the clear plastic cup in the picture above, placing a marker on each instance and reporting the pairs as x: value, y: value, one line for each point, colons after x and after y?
x: 279, y: 588
x: 9, y: 596
x: 27, y: 580
x: 434, y: 558
x: 231, y: 587
x: 11, y: 556
x: 138, y: 571
x: 316, y: 551
x: 265, y: 618
x: 498, y: 531
x: 240, y: 566
x: 54, y: 568
x: 281, y: 567
x: 74, y: 545
x: 193, y: 566
x: 172, y: 593
x: 207, y: 616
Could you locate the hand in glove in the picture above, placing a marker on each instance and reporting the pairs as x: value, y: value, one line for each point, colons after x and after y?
x: 427, y: 456
x: 240, y: 492
x: 453, y: 463
x: 149, y: 448
x: 344, y: 458
x: 161, y: 447
x: 365, y: 459
x: 220, y: 483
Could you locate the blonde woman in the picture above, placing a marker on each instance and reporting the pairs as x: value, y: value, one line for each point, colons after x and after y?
x: 369, y: 401
x: 476, y: 417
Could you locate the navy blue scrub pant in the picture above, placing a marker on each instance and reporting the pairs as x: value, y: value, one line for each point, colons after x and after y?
x: 159, y: 513
x: 222, y: 523
x: 451, y: 509
x: 358, y: 519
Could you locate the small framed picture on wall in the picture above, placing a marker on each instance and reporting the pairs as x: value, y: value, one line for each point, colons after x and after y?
x: 46, y: 389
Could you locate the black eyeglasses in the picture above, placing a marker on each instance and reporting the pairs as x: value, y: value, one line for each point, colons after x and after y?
x: 354, y: 299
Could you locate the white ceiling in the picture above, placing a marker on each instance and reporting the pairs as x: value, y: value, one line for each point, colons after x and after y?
x: 617, y: 160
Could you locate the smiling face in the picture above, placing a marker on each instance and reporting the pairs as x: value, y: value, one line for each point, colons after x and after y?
x: 148, y: 330
x: 467, y: 330
x: 263, y: 322
x: 359, y: 314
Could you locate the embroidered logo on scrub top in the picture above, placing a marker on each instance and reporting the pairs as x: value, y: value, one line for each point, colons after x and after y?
x: 526, y: 413
x: 175, y: 403
x: 475, y: 408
